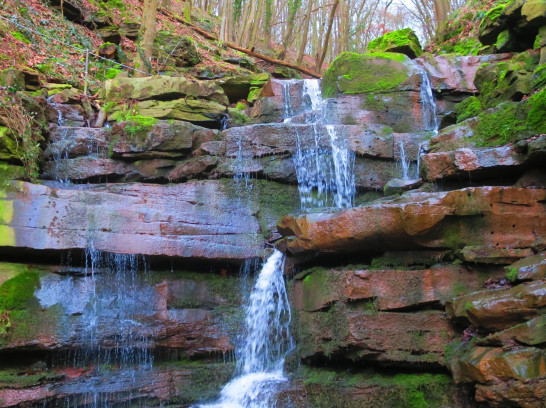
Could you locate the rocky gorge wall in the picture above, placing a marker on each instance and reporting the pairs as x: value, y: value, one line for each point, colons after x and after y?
x: 430, y: 297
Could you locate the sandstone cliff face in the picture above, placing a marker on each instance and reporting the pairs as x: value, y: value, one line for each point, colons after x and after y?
x: 443, y: 284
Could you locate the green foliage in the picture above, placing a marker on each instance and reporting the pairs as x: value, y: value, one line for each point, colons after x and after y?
x: 468, y: 108
x: 111, y: 73
x: 19, y: 36
x: 25, y: 131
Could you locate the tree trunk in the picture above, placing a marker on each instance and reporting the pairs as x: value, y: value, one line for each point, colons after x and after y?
x: 441, y: 11
x: 305, y: 32
x: 257, y: 23
x: 187, y: 9
x: 324, y: 47
x: 293, y: 7
x: 268, y: 17
x: 146, y: 43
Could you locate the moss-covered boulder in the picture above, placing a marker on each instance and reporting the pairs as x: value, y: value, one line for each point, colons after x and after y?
x: 198, y: 111
x: 402, y: 41
x: 362, y: 73
x: 504, y: 81
x: 12, y: 78
x: 491, y: 25
x: 534, y: 13
x: 8, y: 144
x: 239, y: 87
x: 538, y: 80
x: 162, y: 88
x: 180, y: 52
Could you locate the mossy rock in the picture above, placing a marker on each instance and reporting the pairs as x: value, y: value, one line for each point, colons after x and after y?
x: 239, y: 87
x: 8, y: 145
x: 491, y: 25
x: 286, y: 73
x: 468, y: 108
x: 538, y: 80
x: 12, y: 79
x: 505, y: 81
x: 506, y: 42
x: 362, y: 73
x: 402, y: 41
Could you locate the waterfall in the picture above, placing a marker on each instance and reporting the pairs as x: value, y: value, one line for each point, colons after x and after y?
x: 428, y: 106
x: 111, y: 300
x: 325, y: 175
x: 404, y: 163
x: 267, y: 341
x: 343, y: 170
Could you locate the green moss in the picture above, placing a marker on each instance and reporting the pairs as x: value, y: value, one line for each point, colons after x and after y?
x: 395, y: 41
x: 15, y: 292
x: 13, y: 379
x: 327, y: 388
x: 111, y: 73
x: 536, y: 118
x: 512, y: 275
x: 492, y: 15
x: 361, y: 73
x: 468, y: 108
x: 501, y: 126
x: 237, y: 117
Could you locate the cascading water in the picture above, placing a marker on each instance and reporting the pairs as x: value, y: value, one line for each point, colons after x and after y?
x: 325, y: 176
x: 111, y: 333
x: 428, y: 106
x: 267, y: 341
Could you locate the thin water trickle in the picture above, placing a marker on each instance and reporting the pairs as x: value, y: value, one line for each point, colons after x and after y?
x: 111, y: 300
x: 428, y: 105
x: 267, y: 341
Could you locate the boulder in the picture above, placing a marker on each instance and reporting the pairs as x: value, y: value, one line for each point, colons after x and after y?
x: 9, y: 149
x: 269, y: 139
x: 455, y: 73
x: 12, y: 79
x: 500, y: 308
x: 534, y: 13
x: 482, y: 163
x: 492, y: 255
x: 365, y: 73
x: 198, y: 111
x: 526, y: 394
x: 387, y: 289
x: 492, y: 25
x: 85, y: 168
x: 237, y: 88
x: 69, y: 142
x: 164, y: 88
x: 200, y: 220
x: 530, y: 333
x: 530, y: 268
x: 192, y: 167
x: 400, y: 41
x: 486, y: 364
x: 386, y: 338
x: 503, y: 217
x: 161, y: 139
x: 398, y: 185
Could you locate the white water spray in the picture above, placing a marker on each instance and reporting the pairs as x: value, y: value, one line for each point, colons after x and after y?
x: 267, y: 342
x: 325, y: 176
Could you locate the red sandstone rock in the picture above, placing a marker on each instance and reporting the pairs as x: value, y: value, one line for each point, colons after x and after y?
x: 192, y: 220
x: 454, y: 73
x: 500, y: 308
x: 503, y: 217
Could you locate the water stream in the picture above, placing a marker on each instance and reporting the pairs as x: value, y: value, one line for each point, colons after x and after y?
x: 325, y: 173
x: 267, y: 341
